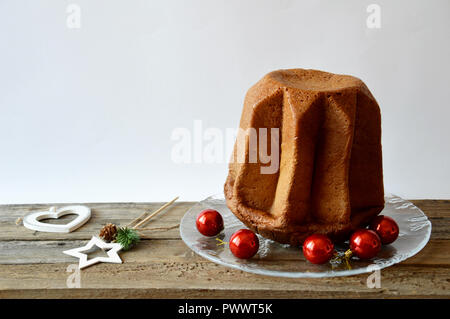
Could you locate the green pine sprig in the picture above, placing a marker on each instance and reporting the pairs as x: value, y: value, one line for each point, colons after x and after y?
x: 127, y: 237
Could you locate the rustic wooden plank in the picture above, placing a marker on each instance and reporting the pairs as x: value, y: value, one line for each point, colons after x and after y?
x: 436, y: 253
x: 121, y: 214
x: 433, y: 207
x: 208, y: 280
x: 102, y: 213
x: 32, y: 264
x: 438, y: 211
x: 168, y: 269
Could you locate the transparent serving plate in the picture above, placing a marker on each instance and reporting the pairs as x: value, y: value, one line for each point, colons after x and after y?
x: 274, y: 259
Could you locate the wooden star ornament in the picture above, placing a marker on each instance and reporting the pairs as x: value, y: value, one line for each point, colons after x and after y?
x: 124, y: 237
x: 113, y: 256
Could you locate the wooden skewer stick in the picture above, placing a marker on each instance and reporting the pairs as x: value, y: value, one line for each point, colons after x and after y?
x: 137, y: 220
x: 146, y: 219
x: 159, y: 228
x: 134, y: 221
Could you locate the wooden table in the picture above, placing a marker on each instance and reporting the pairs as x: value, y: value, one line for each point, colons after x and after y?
x: 32, y: 264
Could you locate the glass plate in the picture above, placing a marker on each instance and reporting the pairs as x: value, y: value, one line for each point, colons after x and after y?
x: 274, y: 259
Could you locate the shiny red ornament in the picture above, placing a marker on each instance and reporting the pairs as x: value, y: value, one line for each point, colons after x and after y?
x: 209, y: 222
x: 318, y: 249
x: 244, y: 244
x: 365, y: 243
x: 386, y: 228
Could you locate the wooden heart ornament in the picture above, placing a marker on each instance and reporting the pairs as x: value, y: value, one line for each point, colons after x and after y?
x: 32, y: 221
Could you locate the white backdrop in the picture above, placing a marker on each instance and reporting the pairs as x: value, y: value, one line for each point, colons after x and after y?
x: 87, y: 113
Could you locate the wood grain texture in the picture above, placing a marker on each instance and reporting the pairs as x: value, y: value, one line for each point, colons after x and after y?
x: 117, y: 213
x: 32, y: 264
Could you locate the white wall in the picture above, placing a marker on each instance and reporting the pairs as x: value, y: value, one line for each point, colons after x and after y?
x: 86, y: 115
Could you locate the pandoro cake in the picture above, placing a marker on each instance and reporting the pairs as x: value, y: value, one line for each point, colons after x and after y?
x: 329, y: 179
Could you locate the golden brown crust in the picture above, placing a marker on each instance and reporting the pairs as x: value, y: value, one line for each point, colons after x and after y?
x: 330, y: 179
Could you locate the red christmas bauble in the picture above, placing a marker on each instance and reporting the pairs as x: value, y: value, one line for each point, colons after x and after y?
x: 318, y: 249
x: 209, y: 222
x: 244, y: 244
x: 365, y: 243
x: 386, y: 228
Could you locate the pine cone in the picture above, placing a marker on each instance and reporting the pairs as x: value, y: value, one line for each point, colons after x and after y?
x: 108, y: 232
